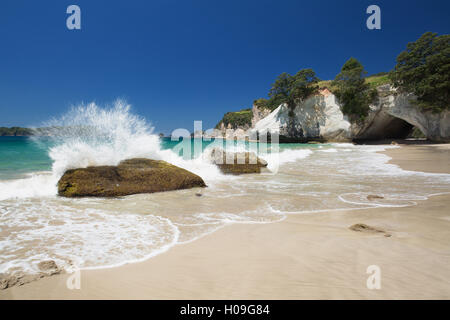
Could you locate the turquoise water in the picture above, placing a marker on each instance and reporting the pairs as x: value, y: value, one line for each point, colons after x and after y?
x: 37, y: 225
x: 20, y: 156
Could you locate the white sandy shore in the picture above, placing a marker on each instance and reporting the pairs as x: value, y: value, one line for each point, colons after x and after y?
x: 308, y: 256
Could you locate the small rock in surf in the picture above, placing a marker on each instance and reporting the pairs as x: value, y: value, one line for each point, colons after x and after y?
x: 237, y: 162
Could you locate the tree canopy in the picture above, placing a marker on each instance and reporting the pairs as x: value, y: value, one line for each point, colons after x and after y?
x: 353, y: 92
x: 292, y: 89
x: 424, y: 69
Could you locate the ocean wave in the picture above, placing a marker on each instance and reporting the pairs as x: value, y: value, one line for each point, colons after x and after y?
x: 97, y: 238
x: 35, y: 225
x: 91, y: 136
x: 37, y: 185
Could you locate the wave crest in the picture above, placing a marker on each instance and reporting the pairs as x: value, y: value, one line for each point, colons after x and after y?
x: 89, y: 135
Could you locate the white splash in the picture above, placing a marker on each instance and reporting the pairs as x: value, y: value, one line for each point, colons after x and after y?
x: 91, y: 136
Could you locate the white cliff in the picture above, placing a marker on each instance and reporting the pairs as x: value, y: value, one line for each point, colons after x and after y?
x: 395, y: 114
x: 318, y: 117
x: 258, y: 114
x: 435, y: 126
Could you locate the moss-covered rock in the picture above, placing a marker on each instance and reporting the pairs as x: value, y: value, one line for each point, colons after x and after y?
x: 237, y: 162
x: 129, y: 177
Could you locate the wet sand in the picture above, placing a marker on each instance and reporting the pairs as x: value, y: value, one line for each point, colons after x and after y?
x: 307, y: 256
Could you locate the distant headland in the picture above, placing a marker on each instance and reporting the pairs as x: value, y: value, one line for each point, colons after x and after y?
x: 16, y: 131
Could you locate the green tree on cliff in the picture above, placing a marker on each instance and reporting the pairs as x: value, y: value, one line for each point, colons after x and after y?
x: 262, y: 103
x: 292, y: 89
x: 354, y: 94
x: 424, y: 69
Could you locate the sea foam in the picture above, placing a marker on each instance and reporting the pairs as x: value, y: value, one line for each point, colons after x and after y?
x: 35, y: 225
x: 88, y: 135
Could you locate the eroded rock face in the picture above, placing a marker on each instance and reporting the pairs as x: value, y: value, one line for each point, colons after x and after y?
x: 237, y: 162
x: 435, y: 126
x: 317, y: 118
x: 129, y: 177
x: 320, y: 118
x: 381, y: 125
x: 258, y: 114
x: 395, y: 115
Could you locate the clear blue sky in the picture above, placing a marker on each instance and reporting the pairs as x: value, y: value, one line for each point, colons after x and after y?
x: 180, y: 61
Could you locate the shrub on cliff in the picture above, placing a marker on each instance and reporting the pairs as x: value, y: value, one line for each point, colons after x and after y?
x: 353, y: 92
x: 424, y: 69
x: 263, y: 104
x: 237, y: 119
x: 292, y: 89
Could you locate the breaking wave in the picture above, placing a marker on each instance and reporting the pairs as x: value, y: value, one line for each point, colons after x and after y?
x: 90, y: 136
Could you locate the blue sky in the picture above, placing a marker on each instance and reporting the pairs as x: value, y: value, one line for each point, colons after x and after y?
x: 180, y: 61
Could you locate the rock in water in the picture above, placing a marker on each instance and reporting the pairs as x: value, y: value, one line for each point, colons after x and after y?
x: 49, y: 266
x: 3, y: 282
x: 131, y: 176
x: 237, y: 162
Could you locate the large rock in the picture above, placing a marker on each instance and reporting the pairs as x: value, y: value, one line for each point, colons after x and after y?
x: 237, y: 162
x: 129, y: 177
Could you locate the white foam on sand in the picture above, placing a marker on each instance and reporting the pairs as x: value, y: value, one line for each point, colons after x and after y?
x: 35, y: 225
x: 82, y: 238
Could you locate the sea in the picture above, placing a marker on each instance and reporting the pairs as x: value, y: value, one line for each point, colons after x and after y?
x: 87, y: 233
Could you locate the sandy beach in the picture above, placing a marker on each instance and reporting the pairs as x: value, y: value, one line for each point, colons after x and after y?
x: 305, y: 256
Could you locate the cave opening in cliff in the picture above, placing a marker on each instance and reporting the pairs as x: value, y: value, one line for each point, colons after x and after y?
x: 390, y: 128
x: 398, y: 129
